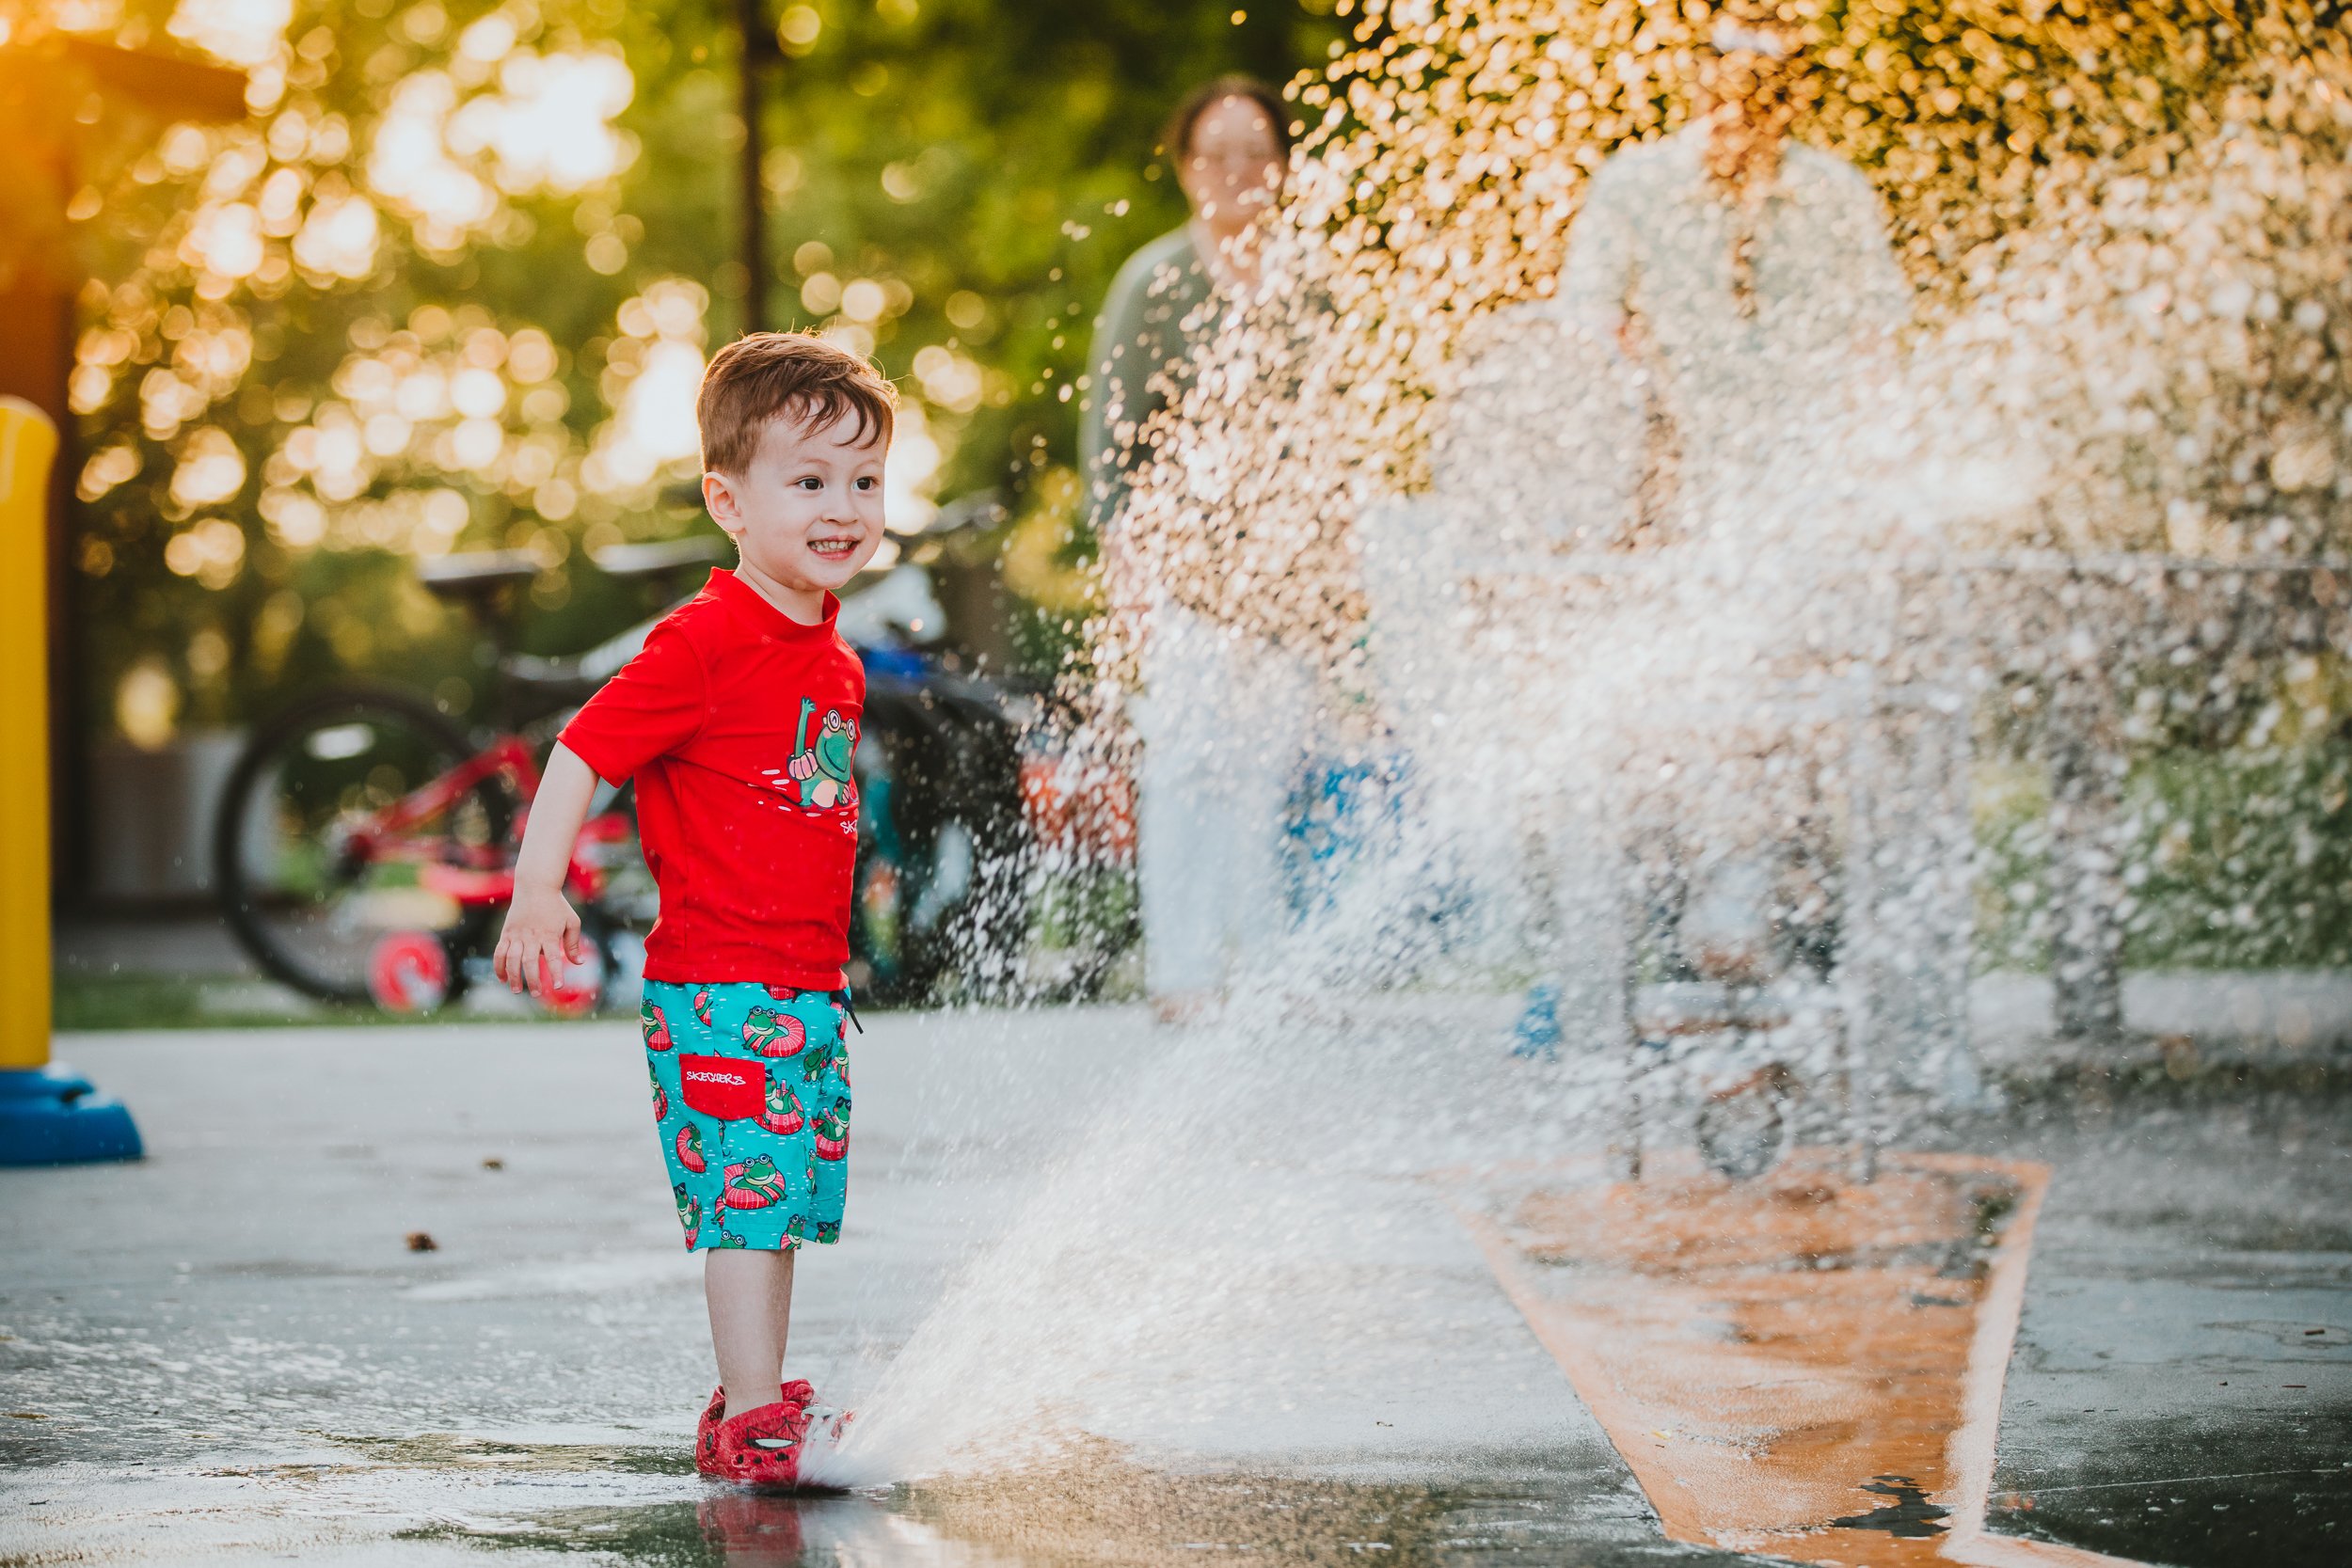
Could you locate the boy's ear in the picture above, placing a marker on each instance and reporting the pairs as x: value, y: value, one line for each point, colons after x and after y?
x: 719, y: 497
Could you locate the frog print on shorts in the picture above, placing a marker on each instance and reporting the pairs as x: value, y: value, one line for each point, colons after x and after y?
x: 751, y: 1096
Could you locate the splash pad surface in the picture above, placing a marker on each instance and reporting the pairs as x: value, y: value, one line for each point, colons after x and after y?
x: 219, y: 1374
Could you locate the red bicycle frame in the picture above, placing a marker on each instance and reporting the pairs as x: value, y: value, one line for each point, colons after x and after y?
x: 484, y: 876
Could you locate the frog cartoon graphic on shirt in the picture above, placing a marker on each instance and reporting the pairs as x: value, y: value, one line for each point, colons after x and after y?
x: 821, y: 767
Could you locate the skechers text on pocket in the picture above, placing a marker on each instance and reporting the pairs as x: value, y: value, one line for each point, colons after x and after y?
x: 723, y: 1086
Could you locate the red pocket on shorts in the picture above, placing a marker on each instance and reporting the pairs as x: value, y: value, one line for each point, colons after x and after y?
x: 724, y: 1086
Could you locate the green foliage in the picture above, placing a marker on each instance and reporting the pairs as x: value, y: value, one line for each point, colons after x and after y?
x: 2237, y: 859
x: 2247, y: 858
x: 951, y: 181
x: 1005, y: 150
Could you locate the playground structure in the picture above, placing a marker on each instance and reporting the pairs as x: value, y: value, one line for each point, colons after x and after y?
x: 49, y: 1114
x: 67, y: 104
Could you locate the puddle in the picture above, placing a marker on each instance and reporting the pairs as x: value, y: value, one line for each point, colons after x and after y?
x: 1908, y: 1516
x: 453, y: 1451
x: 736, y: 1529
x: 1094, y: 1505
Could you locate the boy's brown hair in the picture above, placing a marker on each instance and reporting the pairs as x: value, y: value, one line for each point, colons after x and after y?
x: 796, y: 375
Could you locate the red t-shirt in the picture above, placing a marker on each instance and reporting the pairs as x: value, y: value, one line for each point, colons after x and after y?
x: 739, y: 724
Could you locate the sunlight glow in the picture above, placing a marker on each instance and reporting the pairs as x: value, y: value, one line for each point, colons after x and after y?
x: 210, y: 470
x: 547, y: 128
x: 550, y: 127
x: 650, y: 382
x: 911, y: 477
x: 242, y: 32
x: 338, y: 237
x: 224, y: 240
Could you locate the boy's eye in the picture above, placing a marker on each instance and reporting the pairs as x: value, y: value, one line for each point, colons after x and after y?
x: 812, y: 483
x: 867, y: 482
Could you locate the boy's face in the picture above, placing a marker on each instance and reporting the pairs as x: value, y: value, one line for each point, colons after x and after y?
x: 807, y: 514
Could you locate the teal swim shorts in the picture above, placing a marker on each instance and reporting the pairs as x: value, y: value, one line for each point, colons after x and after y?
x: 751, y: 1093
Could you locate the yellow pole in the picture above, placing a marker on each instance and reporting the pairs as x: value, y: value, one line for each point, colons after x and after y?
x: 49, y: 1114
x: 28, y: 445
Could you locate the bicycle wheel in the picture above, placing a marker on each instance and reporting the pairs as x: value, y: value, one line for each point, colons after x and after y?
x: 312, y: 869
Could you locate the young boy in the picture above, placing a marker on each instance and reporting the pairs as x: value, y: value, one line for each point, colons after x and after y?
x: 739, y: 720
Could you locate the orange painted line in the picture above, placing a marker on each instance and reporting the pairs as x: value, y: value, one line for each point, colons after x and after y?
x: 1590, y: 1379
x: 2016, y: 1551
x: 1975, y: 1446
x: 1762, y: 1355
x: 1759, y: 1353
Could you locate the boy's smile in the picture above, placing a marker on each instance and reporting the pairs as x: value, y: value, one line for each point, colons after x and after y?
x: 807, y: 512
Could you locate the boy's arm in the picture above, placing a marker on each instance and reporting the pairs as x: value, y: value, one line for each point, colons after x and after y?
x: 542, y: 931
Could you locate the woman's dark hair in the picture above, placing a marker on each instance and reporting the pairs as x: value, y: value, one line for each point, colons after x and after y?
x: 1176, y: 137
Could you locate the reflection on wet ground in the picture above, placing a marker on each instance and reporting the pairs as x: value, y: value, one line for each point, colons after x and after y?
x: 1098, y: 1505
x: 443, y: 1497
x: 446, y: 1450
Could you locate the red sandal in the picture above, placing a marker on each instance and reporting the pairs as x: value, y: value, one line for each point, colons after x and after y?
x: 760, y: 1448
x: 706, y: 1433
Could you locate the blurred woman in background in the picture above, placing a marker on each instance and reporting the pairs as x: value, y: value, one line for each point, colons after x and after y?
x: 1215, y: 705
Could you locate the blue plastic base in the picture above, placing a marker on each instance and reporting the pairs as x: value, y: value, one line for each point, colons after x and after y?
x: 53, y: 1115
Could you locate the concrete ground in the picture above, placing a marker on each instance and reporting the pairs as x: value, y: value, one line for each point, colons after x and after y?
x: 229, y: 1351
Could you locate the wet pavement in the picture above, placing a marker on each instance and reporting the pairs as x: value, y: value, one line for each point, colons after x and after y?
x: 228, y: 1353
x: 2181, y: 1391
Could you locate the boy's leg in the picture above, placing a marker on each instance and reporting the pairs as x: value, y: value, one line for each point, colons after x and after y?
x: 750, y: 1294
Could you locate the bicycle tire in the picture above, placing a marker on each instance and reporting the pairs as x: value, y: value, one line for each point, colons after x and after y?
x: 241, y: 906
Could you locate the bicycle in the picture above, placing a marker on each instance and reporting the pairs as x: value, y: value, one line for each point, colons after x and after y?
x: 364, y: 844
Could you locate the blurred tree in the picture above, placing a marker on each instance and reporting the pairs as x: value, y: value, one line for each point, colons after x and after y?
x: 990, y: 165
x: 450, y: 286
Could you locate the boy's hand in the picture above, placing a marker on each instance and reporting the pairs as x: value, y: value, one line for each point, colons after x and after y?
x: 541, y: 933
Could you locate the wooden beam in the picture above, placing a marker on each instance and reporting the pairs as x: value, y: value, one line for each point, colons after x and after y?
x: 170, y: 88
